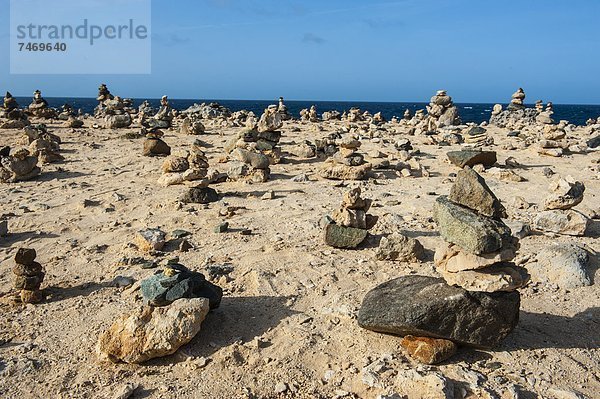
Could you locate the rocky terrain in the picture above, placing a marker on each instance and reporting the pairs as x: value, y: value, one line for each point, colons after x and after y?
x: 101, y: 221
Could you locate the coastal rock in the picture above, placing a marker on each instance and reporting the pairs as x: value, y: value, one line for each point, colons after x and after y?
x: 254, y: 159
x: 117, y: 121
x: 150, y: 240
x: 499, y: 277
x: 175, y: 164
x: 562, y: 264
x: 471, y: 191
x: 472, y: 157
x: 151, y: 332
x: 428, y: 307
x: 413, y: 384
x: 177, y: 281
x: 474, y: 233
x: 155, y: 146
x: 200, y: 195
x: 566, y: 193
x: 451, y: 258
x: 344, y: 237
x: 400, y: 248
x: 335, y: 171
x: 567, y: 222
x: 428, y: 350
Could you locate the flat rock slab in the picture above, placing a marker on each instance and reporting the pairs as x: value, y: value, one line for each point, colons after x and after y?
x: 569, y: 222
x: 472, y: 232
x: 471, y: 158
x: 344, y: 237
x: 428, y: 307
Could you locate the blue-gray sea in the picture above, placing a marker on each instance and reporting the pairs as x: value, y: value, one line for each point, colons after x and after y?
x: 577, y: 114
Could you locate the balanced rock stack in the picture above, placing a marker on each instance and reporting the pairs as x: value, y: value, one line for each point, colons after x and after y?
x: 163, y: 118
x: 154, y: 144
x: 282, y: 110
x: 20, y: 166
x: 190, y: 166
x: 347, y: 163
x: 29, y: 275
x: 268, y: 136
x: 112, y: 109
x: 45, y: 145
x: 17, y: 119
x: 516, y: 116
x: 517, y: 101
x: 479, y: 246
x: 558, y: 217
x: 309, y: 114
x: 347, y: 228
x: 441, y: 112
x: 192, y: 125
x: 39, y: 107
x: 178, y: 302
x: 477, y: 136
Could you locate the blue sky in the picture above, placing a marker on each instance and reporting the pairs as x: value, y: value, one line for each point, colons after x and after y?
x: 480, y: 51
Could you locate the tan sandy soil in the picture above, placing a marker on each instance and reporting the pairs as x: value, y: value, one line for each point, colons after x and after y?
x: 289, y: 310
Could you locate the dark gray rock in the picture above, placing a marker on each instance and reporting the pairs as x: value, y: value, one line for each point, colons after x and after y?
x: 200, y: 195
x: 472, y: 157
x: 180, y: 282
x: 470, y: 190
x: 344, y: 237
x: 594, y: 142
x: 472, y: 232
x: 428, y: 307
x: 25, y: 256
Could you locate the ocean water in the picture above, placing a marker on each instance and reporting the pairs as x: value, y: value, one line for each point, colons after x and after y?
x: 577, y: 114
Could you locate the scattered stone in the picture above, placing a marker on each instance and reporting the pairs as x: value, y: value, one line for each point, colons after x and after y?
x: 428, y: 350
x: 148, y: 240
x: 430, y: 385
x: 472, y: 157
x: 151, y: 332
x: 344, y: 237
x: 566, y: 193
x: 155, y: 146
x: 400, y: 248
x: 427, y: 306
x: 200, y: 195
x: 562, y: 264
x: 569, y: 222
x: 222, y: 227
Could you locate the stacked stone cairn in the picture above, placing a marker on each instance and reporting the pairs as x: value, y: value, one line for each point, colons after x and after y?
x: 476, y: 302
x: 20, y: 166
x: 477, y: 136
x: 192, y: 125
x: 256, y: 148
x: 282, y: 110
x: 15, y: 118
x: 441, y: 112
x: 516, y: 116
x: 29, y: 276
x: 111, y: 109
x: 190, y: 166
x: 154, y: 144
x: 309, y: 115
x: 558, y: 217
x: 177, y: 300
x: 163, y: 118
x: 44, y: 145
x: 39, y: 107
x: 348, y: 226
x: 347, y: 163
x: 479, y: 246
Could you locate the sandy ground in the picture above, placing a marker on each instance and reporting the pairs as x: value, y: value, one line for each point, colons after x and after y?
x: 289, y: 310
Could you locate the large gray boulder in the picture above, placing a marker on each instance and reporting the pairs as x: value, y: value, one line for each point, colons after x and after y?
x: 429, y: 307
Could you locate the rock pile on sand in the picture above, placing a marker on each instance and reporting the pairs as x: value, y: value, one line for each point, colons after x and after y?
x: 557, y: 216
x: 347, y: 227
x: 479, y: 246
x: 39, y: 107
x: 441, y: 112
x: 309, y: 115
x: 282, y: 110
x: 192, y: 125
x: 111, y: 109
x: 190, y: 166
x: 516, y: 116
x: 29, y: 276
x: 154, y: 144
x: 43, y: 144
x: 20, y: 166
x: 163, y: 118
x: 347, y: 163
x: 178, y: 300
x: 11, y: 117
